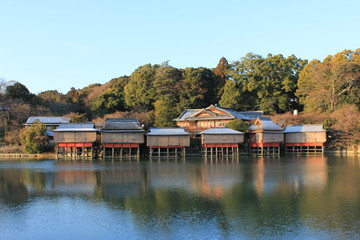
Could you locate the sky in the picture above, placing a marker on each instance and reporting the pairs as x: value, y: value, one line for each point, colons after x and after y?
x: 59, y: 44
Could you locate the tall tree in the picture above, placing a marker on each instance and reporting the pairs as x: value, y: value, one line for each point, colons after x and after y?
x: 165, y: 112
x: 323, y: 86
x: 231, y: 96
x: 221, y: 75
x: 110, y: 101
x: 196, y: 88
x: 18, y: 91
x: 273, y: 80
x: 139, y: 92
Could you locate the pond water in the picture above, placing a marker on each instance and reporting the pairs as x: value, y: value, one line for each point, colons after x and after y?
x: 194, y: 198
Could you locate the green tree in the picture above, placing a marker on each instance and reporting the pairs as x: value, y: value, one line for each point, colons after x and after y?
x: 238, y: 125
x: 18, y: 91
x: 34, y: 140
x: 221, y: 75
x: 110, y: 101
x: 139, y: 92
x: 166, y: 81
x: 196, y: 88
x: 165, y: 112
x: 323, y: 86
x: 231, y: 96
x: 273, y: 80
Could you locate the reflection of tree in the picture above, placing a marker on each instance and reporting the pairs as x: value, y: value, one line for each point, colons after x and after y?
x: 12, y: 187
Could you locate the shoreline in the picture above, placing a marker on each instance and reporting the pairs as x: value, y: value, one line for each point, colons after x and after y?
x: 52, y: 156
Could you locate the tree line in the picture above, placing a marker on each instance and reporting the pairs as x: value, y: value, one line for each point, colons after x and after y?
x: 274, y: 84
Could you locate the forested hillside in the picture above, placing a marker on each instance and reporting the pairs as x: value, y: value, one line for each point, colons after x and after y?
x: 155, y: 94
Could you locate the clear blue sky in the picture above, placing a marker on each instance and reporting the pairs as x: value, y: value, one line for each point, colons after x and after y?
x: 59, y: 44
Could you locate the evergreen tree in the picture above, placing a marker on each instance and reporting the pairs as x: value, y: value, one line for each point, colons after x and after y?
x: 34, y: 140
x: 221, y: 75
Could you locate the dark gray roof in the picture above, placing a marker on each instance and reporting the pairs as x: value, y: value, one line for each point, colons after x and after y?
x: 304, y: 128
x: 264, y: 124
x: 188, y: 114
x: 219, y: 131
x: 76, y: 127
x: 48, y: 120
x: 122, y: 124
x: 167, y: 131
x: 244, y: 115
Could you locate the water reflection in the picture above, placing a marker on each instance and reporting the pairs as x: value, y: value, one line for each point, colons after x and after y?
x: 298, y: 197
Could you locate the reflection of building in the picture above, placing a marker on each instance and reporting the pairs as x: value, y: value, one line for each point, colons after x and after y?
x: 221, y: 140
x: 75, y: 140
x: 121, y: 136
x: 305, y: 139
x: 129, y: 180
x: 75, y: 182
x: 213, y: 116
x: 265, y: 137
x: 168, y: 139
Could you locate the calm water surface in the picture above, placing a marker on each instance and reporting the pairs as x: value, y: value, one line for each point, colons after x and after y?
x: 249, y: 198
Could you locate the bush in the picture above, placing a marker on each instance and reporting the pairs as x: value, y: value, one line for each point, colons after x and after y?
x: 238, y: 125
x: 34, y: 140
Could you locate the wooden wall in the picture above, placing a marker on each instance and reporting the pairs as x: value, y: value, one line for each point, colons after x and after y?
x: 122, y: 137
x: 219, y: 139
x: 166, y: 141
x: 305, y: 137
x: 202, y: 124
x: 264, y: 137
x: 74, y: 137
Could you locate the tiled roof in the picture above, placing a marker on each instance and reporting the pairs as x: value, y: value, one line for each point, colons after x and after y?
x: 76, y: 127
x: 244, y: 115
x: 48, y: 120
x: 189, y: 114
x: 264, y: 124
x: 167, y: 131
x: 122, y: 124
x: 305, y: 128
x: 213, y: 131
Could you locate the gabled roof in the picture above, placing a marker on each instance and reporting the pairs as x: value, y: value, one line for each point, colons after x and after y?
x: 220, y: 131
x: 167, y: 131
x: 48, y: 120
x: 305, y: 128
x: 76, y: 127
x: 244, y: 115
x: 122, y: 124
x: 193, y: 114
x: 264, y: 124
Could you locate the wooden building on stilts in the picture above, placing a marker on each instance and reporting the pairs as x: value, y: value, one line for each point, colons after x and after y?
x: 167, y: 141
x: 121, y: 137
x: 265, y: 137
x: 75, y: 141
x: 307, y: 139
x: 221, y: 141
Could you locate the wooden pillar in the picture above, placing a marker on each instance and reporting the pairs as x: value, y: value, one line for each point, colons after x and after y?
x: 112, y: 152
x: 167, y: 151
x: 159, y: 152
x: 138, y: 152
